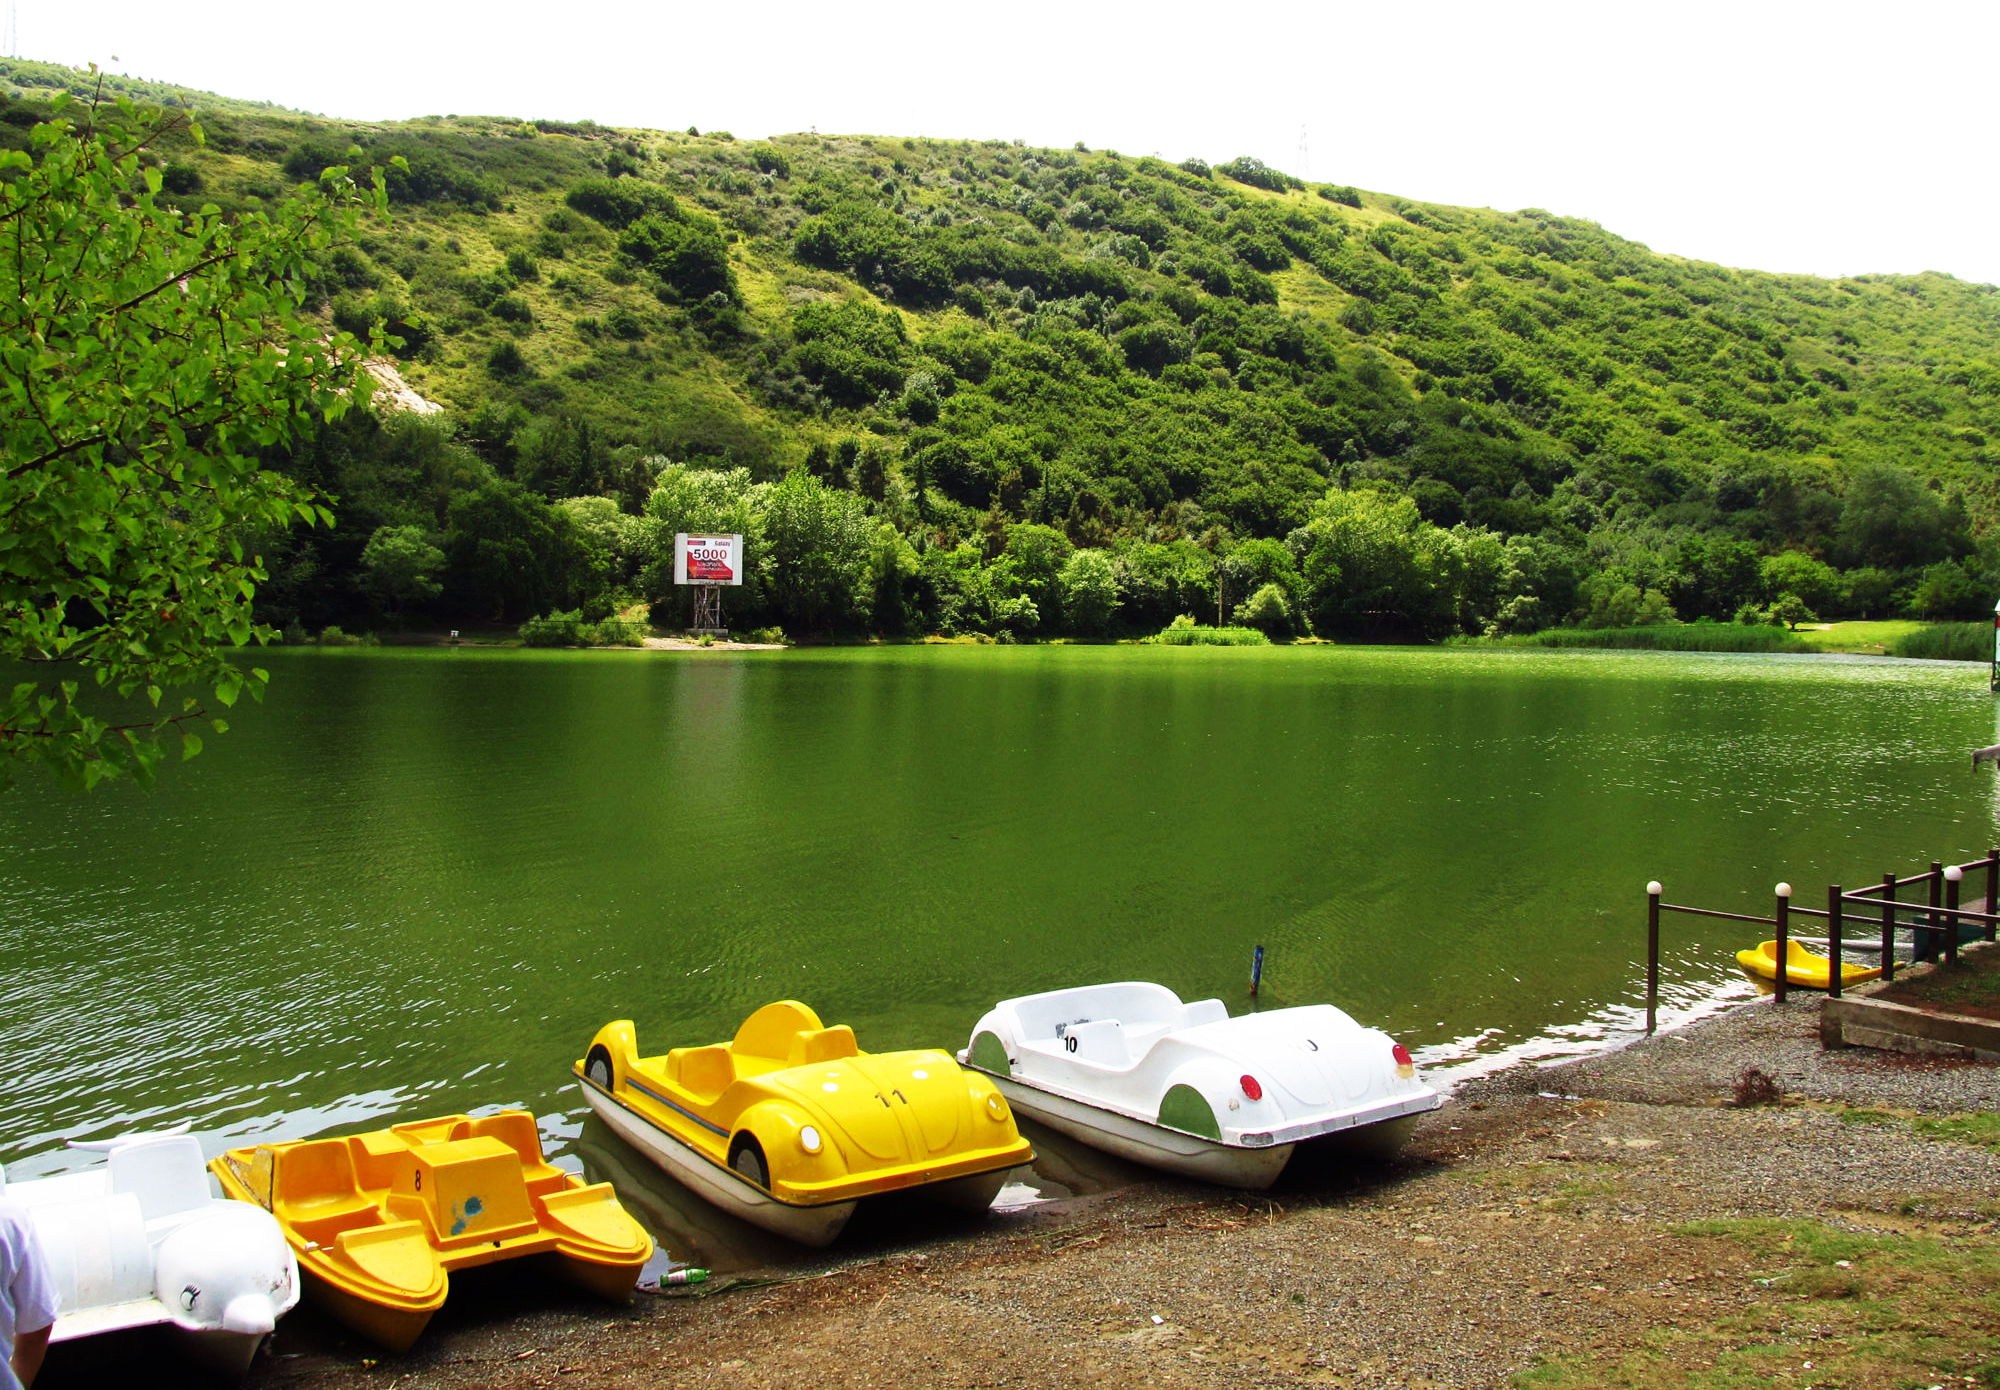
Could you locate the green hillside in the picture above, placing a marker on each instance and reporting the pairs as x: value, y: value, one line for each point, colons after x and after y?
x: 946, y: 369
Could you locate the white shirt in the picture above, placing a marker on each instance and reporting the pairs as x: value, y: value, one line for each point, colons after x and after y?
x: 27, y: 1292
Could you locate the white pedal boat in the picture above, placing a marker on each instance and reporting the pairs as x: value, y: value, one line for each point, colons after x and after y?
x: 1130, y: 1069
x: 139, y: 1240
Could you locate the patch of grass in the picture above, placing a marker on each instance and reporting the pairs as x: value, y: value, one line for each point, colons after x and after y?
x: 1192, y: 636
x: 1865, y: 638
x: 1947, y: 642
x: 1677, y: 637
x: 1980, y: 1128
x: 1863, y: 1309
x: 1972, y: 986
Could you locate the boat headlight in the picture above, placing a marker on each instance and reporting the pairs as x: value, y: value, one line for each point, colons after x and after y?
x: 1406, y: 1066
x: 809, y: 1139
x: 996, y: 1107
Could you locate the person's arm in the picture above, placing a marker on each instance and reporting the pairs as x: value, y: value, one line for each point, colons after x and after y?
x: 28, y: 1350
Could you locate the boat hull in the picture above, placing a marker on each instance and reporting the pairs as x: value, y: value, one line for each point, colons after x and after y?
x: 393, y: 1327
x: 1155, y: 1146
x: 228, y: 1354
x: 815, y: 1226
x: 1803, y: 969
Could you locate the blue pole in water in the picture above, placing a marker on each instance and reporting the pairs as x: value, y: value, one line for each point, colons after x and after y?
x: 1256, y: 969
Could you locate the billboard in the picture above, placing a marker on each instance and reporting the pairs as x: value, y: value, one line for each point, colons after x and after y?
x: 708, y: 559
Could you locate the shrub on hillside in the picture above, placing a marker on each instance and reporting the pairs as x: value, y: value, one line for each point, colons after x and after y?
x: 618, y: 203
x: 1255, y: 172
x: 1341, y: 193
x: 505, y: 360
x: 690, y: 256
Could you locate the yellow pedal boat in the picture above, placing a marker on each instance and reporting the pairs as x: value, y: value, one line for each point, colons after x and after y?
x: 1802, y: 967
x: 790, y: 1124
x: 378, y: 1220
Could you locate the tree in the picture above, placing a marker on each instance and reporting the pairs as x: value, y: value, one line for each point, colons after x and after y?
x: 817, y: 550
x: 1089, y: 591
x: 146, y: 357
x: 1032, y: 566
x: 1891, y: 520
x: 1716, y: 576
x: 511, y: 554
x: 1816, y: 583
x: 397, y: 565
x: 1791, y: 610
x: 1269, y: 611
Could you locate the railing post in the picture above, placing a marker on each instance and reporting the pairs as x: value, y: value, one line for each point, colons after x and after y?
x: 1652, y: 956
x: 1888, y: 926
x: 1923, y: 944
x: 1992, y: 889
x: 1835, y: 945
x: 1951, y: 882
x: 1782, y: 946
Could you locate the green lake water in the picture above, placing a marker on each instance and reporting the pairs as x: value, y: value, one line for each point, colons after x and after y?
x: 416, y: 881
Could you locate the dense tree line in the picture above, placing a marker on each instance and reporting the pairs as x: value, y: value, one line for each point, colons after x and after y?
x: 975, y: 387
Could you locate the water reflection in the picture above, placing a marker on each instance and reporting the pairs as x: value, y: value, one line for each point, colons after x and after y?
x: 415, y: 883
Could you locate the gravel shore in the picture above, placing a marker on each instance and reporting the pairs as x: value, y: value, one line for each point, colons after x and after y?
x: 1545, y: 1214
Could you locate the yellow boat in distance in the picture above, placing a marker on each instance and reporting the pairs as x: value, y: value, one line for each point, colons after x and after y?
x: 378, y: 1220
x: 1802, y: 967
x: 790, y: 1124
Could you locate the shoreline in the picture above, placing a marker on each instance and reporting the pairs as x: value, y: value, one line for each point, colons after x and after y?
x: 1604, y: 1206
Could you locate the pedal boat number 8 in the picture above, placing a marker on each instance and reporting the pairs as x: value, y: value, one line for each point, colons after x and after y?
x: 379, y: 1220
x: 790, y: 1125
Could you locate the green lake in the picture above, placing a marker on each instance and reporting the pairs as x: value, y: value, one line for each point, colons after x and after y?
x: 416, y: 881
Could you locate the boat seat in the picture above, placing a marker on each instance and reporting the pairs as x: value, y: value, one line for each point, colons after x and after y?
x: 701, y: 1071
x: 769, y: 1032
x: 1100, y: 1042
x: 1203, y: 1011
x: 1140, y: 1037
x: 315, y: 1190
x: 166, y: 1175
x: 822, y: 1045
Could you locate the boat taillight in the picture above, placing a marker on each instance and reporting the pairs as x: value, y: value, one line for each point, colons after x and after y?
x: 1252, y: 1089
x: 1406, y: 1065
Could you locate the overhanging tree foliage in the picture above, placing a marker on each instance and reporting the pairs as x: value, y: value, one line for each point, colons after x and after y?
x: 146, y: 355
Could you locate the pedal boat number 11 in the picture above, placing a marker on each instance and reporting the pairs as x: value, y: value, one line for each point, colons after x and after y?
x: 789, y: 1124
x: 1130, y: 1069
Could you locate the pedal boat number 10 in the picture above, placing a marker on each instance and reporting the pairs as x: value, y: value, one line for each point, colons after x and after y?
x: 1130, y: 1069
x: 789, y: 1125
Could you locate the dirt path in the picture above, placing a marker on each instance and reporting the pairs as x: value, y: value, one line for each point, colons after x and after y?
x: 1609, y: 1213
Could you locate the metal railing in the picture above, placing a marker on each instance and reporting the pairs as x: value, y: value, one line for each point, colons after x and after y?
x: 1933, y: 925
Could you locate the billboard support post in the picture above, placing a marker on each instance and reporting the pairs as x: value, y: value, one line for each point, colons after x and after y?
x: 708, y: 611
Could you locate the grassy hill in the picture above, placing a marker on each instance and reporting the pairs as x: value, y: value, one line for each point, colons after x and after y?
x: 1170, y: 364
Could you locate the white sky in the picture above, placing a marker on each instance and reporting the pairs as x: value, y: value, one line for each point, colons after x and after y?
x: 1827, y: 137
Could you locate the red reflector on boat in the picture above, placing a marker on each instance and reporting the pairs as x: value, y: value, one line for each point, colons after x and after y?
x: 1252, y: 1089
x: 1402, y: 1055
